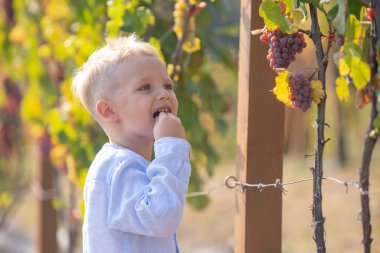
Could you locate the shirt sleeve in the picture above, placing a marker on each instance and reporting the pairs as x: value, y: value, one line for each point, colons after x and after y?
x: 151, y: 202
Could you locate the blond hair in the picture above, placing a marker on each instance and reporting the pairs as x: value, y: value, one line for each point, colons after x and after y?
x: 91, y: 81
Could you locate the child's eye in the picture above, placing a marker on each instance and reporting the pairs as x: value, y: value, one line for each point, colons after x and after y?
x: 169, y: 86
x: 145, y: 87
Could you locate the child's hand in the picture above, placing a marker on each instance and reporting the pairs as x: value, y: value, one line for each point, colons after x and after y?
x: 168, y: 125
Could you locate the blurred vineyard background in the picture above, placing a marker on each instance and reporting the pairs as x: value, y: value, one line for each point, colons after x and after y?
x: 47, y: 140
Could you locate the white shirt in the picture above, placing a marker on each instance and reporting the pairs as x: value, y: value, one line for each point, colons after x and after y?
x: 134, y: 205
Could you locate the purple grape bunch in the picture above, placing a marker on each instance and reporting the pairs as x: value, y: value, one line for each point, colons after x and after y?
x: 282, y: 47
x: 300, y: 91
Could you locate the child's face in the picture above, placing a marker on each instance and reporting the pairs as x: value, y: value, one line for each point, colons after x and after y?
x: 142, y: 87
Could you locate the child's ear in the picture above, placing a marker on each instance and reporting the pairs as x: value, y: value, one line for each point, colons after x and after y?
x: 105, y: 110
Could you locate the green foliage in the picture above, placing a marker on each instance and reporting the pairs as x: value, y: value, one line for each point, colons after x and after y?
x: 354, y: 66
x: 46, y: 43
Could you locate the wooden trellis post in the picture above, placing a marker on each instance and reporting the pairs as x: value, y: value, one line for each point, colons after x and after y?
x: 259, y: 150
x: 46, y: 234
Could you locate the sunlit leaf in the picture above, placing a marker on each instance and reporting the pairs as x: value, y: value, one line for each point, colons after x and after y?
x: 344, y: 67
x: 342, y: 90
x: 318, y: 92
x: 360, y: 72
x: 273, y: 18
x: 355, y: 30
x: 298, y: 17
x: 289, y: 6
x: 282, y: 88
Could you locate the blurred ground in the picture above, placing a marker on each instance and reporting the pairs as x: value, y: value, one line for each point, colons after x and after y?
x: 211, y: 231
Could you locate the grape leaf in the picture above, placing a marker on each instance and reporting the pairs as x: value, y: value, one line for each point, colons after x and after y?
x: 344, y: 67
x: 273, y: 18
x: 355, y: 30
x: 360, y: 72
x: 331, y: 14
x: 339, y: 22
x: 318, y: 93
x: 315, y: 2
x: 289, y: 6
x: 351, y: 49
x: 342, y: 88
x: 299, y: 16
x: 355, y: 6
x: 282, y: 88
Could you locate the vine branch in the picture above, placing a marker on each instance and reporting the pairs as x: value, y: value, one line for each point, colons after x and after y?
x: 317, y: 169
x: 370, y: 141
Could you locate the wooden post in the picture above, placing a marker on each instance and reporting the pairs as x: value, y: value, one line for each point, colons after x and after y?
x: 46, y: 240
x: 260, y: 134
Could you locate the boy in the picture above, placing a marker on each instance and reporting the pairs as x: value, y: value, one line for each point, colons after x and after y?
x: 133, y: 204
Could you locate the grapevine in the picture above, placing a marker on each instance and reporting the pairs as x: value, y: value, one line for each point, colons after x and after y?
x: 348, y: 25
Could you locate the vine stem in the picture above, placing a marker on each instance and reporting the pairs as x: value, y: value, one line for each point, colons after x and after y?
x: 370, y: 141
x: 317, y: 170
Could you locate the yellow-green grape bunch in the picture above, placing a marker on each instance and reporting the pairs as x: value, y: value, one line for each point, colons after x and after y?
x: 191, y: 43
x: 180, y: 11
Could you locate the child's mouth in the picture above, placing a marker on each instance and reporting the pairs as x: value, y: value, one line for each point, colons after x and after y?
x: 157, y: 113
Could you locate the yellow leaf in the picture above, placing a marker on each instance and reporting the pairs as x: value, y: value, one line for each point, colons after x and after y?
x: 342, y: 89
x: 318, y: 93
x: 344, y: 68
x: 282, y: 88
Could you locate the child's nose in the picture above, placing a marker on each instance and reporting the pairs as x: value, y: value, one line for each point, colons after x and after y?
x: 163, y: 94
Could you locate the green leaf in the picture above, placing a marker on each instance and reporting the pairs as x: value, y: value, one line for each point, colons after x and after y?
x: 339, y: 22
x: 273, y: 18
x: 342, y: 90
x: 331, y: 14
x: 355, y: 30
x: 315, y: 2
x: 289, y: 6
x: 300, y: 15
x: 351, y: 49
x: 355, y: 6
x: 360, y: 72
